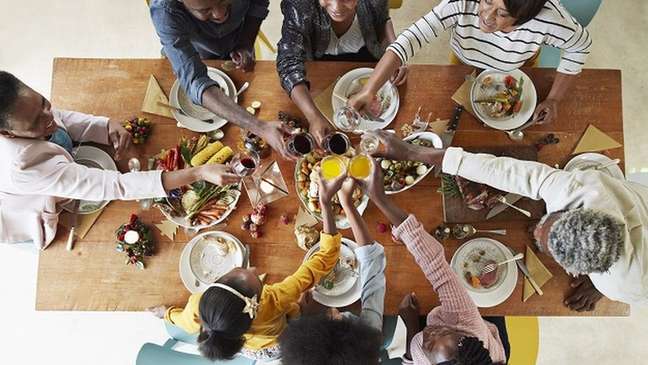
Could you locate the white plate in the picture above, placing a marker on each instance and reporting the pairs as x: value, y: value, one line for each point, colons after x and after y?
x: 344, y: 282
x: 183, y: 222
x: 345, y: 85
x: 96, y: 158
x: 186, y: 275
x: 586, y: 161
x: 350, y: 296
x: 436, y: 142
x: 508, y: 274
x: 529, y: 100
x: 341, y: 221
x: 178, y: 97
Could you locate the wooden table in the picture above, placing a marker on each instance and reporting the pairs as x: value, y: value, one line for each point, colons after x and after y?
x: 94, y: 277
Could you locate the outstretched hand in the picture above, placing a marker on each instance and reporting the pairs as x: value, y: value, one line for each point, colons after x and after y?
x: 273, y: 133
x: 584, y: 295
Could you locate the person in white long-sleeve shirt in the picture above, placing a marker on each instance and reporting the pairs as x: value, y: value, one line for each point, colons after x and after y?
x: 39, y: 172
x: 596, y: 225
x: 499, y: 35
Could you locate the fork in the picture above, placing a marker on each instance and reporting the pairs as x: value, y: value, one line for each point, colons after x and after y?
x: 492, y: 267
x: 502, y: 200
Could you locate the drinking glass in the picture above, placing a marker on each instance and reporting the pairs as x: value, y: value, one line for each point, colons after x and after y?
x: 300, y: 144
x: 347, y: 119
x: 336, y: 143
x: 244, y: 163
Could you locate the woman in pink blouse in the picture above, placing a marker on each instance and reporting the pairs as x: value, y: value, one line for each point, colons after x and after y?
x: 455, y: 332
x: 39, y: 172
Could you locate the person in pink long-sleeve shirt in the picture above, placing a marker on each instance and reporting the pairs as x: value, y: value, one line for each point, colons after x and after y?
x: 455, y: 333
x: 39, y: 172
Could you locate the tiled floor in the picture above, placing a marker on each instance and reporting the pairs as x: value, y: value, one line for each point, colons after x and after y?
x: 32, y: 33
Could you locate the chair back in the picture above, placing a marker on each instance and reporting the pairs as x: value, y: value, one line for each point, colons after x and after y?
x: 152, y: 354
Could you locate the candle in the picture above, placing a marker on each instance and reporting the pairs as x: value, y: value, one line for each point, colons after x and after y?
x: 131, y: 237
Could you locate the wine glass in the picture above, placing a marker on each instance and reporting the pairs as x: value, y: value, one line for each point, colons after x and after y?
x: 369, y: 143
x: 336, y: 143
x: 244, y: 163
x: 300, y: 144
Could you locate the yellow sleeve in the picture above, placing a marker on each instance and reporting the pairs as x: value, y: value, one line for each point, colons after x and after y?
x: 287, y: 292
x: 188, y: 318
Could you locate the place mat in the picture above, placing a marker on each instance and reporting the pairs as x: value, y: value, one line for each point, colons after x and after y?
x: 594, y: 140
x: 462, y: 96
x: 84, y: 222
x: 155, y: 94
x: 538, y: 272
x: 323, y: 102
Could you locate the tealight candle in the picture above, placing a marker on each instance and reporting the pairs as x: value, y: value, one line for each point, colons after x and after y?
x: 131, y: 237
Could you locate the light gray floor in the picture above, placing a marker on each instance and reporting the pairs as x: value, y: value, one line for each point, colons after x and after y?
x: 32, y: 33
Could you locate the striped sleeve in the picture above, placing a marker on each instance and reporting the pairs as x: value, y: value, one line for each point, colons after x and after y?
x: 442, y: 17
x: 568, y: 35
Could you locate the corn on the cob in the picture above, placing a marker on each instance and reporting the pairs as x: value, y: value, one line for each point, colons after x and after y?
x: 221, y: 156
x: 203, y: 156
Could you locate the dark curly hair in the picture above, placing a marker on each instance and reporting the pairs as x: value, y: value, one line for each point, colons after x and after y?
x: 9, y: 89
x: 321, y: 340
x: 470, y: 351
x: 524, y: 10
x: 223, y: 320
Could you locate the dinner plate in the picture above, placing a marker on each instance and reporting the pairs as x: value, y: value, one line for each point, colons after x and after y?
x: 529, y: 100
x: 345, y: 280
x: 507, y: 275
x: 349, y: 83
x: 95, y: 158
x: 341, y: 222
x: 195, y: 114
x: 586, y: 161
x: 350, y: 296
x: 190, y: 281
x: 436, y: 142
x: 183, y: 222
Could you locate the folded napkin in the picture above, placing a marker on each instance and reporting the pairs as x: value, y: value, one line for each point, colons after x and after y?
x: 323, y: 102
x: 168, y: 228
x: 594, y: 140
x: 84, y: 222
x: 154, y: 94
x: 462, y: 96
x: 538, y: 272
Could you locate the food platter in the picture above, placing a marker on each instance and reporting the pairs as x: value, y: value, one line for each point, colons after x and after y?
x: 191, y: 260
x: 387, y: 102
x: 471, y: 257
x: 588, y: 161
x: 192, y: 115
x: 402, y: 175
x: 350, y: 287
x: 92, y: 157
x: 306, y: 177
x: 491, y: 85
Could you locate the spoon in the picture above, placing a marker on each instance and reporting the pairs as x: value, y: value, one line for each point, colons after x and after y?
x: 243, y: 88
x: 517, y: 134
x: 502, y: 200
x: 462, y: 231
x: 491, y: 267
x: 608, y: 164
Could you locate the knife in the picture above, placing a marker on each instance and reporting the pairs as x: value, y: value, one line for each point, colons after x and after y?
x: 448, y: 134
x: 526, y: 273
x: 511, y: 198
x: 73, y: 224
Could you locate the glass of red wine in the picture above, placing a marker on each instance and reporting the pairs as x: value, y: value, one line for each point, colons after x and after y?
x: 300, y: 144
x: 336, y: 143
x: 244, y: 163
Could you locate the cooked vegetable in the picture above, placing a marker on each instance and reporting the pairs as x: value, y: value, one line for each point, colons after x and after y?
x: 203, y: 156
x: 221, y: 156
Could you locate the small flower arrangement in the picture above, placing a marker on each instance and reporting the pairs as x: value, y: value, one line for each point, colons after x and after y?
x: 136, y: 240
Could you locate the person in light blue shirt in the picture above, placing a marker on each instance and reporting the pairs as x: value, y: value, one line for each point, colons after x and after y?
x: 334, y: 337
x: 193, y: 30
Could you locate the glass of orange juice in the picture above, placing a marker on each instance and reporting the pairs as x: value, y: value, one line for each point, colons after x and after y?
x: 360, y: 166
x: 332, y: 167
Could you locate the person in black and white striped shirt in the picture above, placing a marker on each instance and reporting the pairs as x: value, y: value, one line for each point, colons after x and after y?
x: 493, y: 34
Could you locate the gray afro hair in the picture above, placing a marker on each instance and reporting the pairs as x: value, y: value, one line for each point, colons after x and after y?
x: 585, y: 241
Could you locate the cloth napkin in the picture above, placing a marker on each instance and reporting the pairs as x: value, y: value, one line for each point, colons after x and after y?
x: 538, y: 272
x: 154, y: 93
x: 462, y: 96
x: 594, y: 140
x: 84, y: 222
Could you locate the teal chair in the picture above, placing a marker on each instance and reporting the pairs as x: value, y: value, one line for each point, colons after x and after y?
x: 583, y: 11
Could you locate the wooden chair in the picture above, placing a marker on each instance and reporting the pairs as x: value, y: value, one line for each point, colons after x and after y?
x: 583, y: 11
x: 395, y: 4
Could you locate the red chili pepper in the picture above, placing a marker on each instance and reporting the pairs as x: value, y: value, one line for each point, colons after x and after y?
x: 176, y: 157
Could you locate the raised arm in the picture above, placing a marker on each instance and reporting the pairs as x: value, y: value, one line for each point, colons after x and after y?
x: 371, y: 258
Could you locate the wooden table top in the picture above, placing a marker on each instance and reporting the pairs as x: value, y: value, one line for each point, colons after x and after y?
x: 94, y: 277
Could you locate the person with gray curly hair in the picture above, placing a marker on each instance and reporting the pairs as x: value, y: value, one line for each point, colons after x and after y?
x: 596, y: 226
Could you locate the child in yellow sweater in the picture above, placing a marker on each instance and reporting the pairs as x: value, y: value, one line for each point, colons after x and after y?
x: 240, y: 314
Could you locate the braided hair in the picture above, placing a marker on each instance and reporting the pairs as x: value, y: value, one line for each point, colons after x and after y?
x: 470, y: 351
